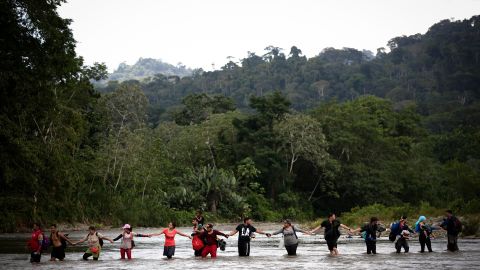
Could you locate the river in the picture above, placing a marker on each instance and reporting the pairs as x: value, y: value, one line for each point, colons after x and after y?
x: 265, y: 254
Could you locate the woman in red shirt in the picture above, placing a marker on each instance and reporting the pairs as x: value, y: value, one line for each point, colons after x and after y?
x: 170, y: 232
x: 210, y: 237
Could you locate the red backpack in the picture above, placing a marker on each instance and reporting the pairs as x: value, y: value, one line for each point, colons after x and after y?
x: 197, y: 243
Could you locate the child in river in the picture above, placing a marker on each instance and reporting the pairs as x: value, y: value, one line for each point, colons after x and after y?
x: 170, y: 232
x: 127, y: 242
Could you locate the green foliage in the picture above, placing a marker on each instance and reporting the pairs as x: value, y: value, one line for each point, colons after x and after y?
x: 471, y: 226
x: 68, y: 153
x: 387, y: 214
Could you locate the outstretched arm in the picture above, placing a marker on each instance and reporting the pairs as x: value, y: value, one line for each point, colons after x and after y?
x: 262, y: 232
x: 64, y: 237
x: 316, y: 229
x: 345, y: 227
x: 302, y: 231
x: 222, y: 234
x: 108, y: 239
x: 155, y: 234
x: 184, y: 235
x: 233, y: 233
x: 118, y: 237
x: 277, y: 232
x: 80, y: 241
x: 140, y: 235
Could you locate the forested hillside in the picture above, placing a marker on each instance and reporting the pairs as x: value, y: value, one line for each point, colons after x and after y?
x: 274, y: 136
x: 145, y: 69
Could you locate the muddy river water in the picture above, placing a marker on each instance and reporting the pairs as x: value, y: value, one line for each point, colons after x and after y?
x: 265, y: 254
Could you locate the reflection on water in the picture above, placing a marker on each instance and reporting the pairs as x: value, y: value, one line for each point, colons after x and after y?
x: 265, y: 253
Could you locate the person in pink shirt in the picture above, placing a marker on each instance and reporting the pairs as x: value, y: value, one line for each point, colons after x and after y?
x: 170, y: 232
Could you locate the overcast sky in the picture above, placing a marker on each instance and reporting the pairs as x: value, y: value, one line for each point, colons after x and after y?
x: 201, y: 33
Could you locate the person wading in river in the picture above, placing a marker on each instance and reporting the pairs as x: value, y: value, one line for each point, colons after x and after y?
x: 210, y: 239
x: 127, y: 242
x: 400, y: 234
x: 95, y: 242
x: 59, y: 243
x: 290, y: 237
x: 369, y: 233
x: 197, y: 241
x: 170, y: 232
x: 35, y: 244
x: 453, y: 226
x: 246, y: 231
x: 332, y: 233
x: 424, y: 231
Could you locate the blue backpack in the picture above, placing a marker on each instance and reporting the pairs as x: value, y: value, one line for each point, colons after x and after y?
x: 45, y: 242
x: 393, y: 231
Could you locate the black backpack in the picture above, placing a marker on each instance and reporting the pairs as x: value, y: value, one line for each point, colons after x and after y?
x: 100, y: 240
x: 458, y: 225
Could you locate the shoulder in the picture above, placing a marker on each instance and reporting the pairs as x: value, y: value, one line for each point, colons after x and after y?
x: 324, y: 223
x: 252, y: 228
x: 239, y: 227
x: 99, y: 235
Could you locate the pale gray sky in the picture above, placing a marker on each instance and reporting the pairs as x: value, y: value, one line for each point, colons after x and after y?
x: 199, y: 33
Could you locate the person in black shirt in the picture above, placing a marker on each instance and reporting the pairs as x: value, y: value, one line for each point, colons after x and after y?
x: 369, y: 233
x: 453, y: 226
x: 246, y: 232
x: 332, y: 233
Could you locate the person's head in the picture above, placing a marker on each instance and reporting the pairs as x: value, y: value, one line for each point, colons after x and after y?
x: 421, y: 219
x: 53, y: 228
x: 127, y: 228
x: 403, y: 219
x: 209, y: 227
x: 331, y: 216
x: 36, y: 226
x: 195, y: 222
x: 198, y: 213
x: 172, y: 225
x: 287, y: 223
x: 449, y: 213
x: 92, y: 230
x: 247, y: 221
x: 374, y: 220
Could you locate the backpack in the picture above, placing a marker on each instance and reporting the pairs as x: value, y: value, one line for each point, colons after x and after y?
x: 294, y: 231
x: 197, y: 243
x: 393, y: 231
x: 45, y: 242
x: 100, y: 240
x: 457, y: 225
x: 221, y: 244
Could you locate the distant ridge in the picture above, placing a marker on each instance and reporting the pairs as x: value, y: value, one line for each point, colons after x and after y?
x: 147, y: 67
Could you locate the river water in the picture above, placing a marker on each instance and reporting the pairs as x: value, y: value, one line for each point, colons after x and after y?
x: 265, y: 254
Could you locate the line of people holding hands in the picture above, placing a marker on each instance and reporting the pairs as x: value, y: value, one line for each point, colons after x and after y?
x: 206, y: 240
